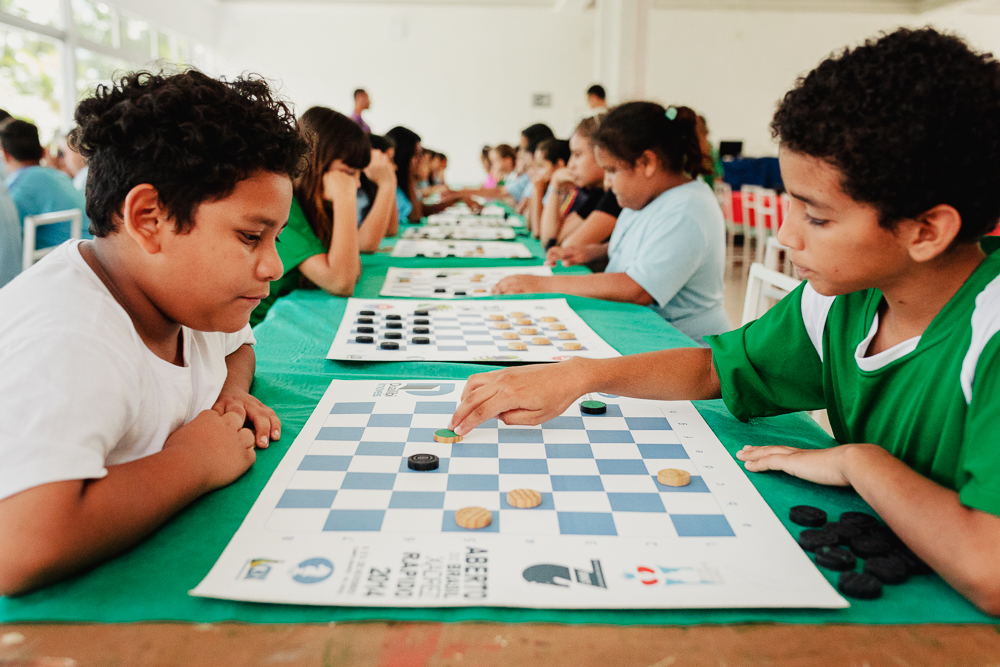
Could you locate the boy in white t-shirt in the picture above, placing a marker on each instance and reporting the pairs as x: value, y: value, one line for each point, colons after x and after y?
x: 126, y: 361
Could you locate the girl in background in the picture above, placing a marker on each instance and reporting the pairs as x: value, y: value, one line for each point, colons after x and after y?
x: 377, y: 214
x: 319, y: 246
x: 408, y: 157
x: 550, y: 156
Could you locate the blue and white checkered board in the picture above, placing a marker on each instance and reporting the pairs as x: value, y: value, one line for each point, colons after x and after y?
x: 596, y: 474
x: 467, y: 249
x: 460, y: 232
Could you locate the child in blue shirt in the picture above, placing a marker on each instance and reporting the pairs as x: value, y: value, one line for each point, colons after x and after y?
x: 667, y: 250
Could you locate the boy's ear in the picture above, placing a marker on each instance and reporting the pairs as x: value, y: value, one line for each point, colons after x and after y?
x: 931, y: 233
x: 648, y: 163
x: 144, y: 219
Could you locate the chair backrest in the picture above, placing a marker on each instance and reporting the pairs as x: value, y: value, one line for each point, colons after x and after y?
x: 748, y: 198
x: 766, y: 208
x: 724, y: 194
x: 32, y: 222
x: 763, y: 287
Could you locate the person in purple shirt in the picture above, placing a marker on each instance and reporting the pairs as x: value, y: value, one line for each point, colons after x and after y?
x: 361, y: 103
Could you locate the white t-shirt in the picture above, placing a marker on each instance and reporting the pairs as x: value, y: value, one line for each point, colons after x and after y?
x: 79, y: 390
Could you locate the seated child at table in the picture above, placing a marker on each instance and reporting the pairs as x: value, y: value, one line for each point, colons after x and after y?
x: 667, y: 250
x: 319, y: 247
x: 521, y: 188
x: 550, y: 156
x: 484, y: 159
x: 593, y: 212
x: 891, y: 153
x: 378, y: 217
x: 126, y: 361
x: 407, y: 157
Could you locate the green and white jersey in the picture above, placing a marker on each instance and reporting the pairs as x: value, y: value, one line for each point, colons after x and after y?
x: 932, y: 401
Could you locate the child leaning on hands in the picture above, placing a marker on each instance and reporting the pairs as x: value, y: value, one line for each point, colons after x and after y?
x: 126, y: 361
x: 895, y: 332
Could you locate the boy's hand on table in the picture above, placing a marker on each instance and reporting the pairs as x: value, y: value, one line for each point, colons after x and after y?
x: 221, y: 444
x: 822, y: 466
x: 526, y: 396
x: 574, y: 255
x: 520, y: 284
x: 266, y: 424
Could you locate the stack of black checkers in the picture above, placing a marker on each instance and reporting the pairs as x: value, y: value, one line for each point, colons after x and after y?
x: 838, y: 545
x: 369, y: 323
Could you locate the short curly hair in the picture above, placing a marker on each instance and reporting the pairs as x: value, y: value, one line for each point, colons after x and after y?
x: 188, y: 135
x: 911, y: 120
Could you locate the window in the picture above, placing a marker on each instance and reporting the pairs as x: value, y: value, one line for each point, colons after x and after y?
x: 31, y: 83
x: 42, y: 12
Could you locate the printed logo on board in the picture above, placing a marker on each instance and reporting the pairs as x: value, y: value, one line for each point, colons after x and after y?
x: 555, y: 575
x: 661, y: 575
x: 257, y: 568
x: 312, y: 571
x: 429, y: 389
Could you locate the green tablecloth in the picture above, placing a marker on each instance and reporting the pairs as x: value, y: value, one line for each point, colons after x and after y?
x: 150, y: 582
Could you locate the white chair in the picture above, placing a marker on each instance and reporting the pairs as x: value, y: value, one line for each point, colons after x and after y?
x: 765, y: 207
x: 765, y: 287
x: 32, y: 222
x: 776, y: 258
x: 724, y: 194
x: 748, y: 199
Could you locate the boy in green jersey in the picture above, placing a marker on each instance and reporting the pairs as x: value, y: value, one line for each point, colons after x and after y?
x: 891, y: 154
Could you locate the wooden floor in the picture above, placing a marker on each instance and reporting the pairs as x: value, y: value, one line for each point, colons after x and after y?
x: 486, y: 645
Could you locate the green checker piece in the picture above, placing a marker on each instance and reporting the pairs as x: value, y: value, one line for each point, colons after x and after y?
x: 593, y: 408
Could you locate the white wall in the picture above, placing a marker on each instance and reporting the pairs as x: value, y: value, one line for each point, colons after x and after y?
x: 196, y: 19
x: 734, y: 67
x: 458, y: 76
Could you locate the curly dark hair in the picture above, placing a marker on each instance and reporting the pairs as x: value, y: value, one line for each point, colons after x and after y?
x: 911, y: 120
x: 188, y: 135
x: 631, y: 129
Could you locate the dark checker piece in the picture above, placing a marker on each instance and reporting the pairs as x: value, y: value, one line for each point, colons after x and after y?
x: 860, y: 585
x: 860, y: 519
x: 441, y: 275
x: 835, y: 558
x: 421, y: 321
x: 394, y: 335
x: 393, y: 325
x: 421, y: 341
x: 459, y: 292
x: 887, y: 569
x: 421, y: 313
x: 423, y: 462
x: 867, y: 546
x: 366, y: 312
x: 885, y: 532
x: 593, y: 408
x: 393, y: 317
x: 389, y: 345
x: 421, y: 330
x: 808, y: 516
x: 365, y: 339
x: 365, y: 320
x: 420, y: 254
x: 812, y: 539
x: 367, y: 330
x: 439, y: 290
x: 845, y: 532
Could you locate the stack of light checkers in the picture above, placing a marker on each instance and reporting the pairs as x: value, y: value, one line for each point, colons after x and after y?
x: 838, y: 545
x: 528, y: 331
x: 471, y: 518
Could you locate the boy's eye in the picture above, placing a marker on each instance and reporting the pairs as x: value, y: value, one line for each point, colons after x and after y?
x: 815, y: 221
x: 251, y: 238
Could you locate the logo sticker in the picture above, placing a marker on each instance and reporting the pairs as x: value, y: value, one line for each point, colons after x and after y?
x: 312, y: 571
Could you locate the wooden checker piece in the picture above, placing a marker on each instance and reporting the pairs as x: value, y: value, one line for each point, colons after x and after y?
x: 447, y: 437
x: 566, y: 335
x: 497, y: 318
x: 502, y: 325
x: 541, y: 340
x: 571, y: 347
x: 529, y: 331
x: 524, y: 498
x: 549, y: 319
x: 473, y: 517
x: 673, y: 477
x: 557, y: 327
x: 524, y: 321
x: 517, y: 315
x: 510, y: 335
x: 517, y: 345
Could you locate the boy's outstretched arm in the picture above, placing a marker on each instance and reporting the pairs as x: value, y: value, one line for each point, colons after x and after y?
x: 55, y: 529
x: 535, y: 394
x: 608, y: 286
x: 958, y: 542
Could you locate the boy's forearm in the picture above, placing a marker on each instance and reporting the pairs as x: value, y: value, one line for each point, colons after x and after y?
x: 240, y: 368
x: 607, y: 286
x: 666, y: 375
x: 376, y: 223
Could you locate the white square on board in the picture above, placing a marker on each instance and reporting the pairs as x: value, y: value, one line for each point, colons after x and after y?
x: 456, y: 500
x: 473, y: 465
x: 581, y: 501
x: 644, y: 524
x: 297, y: 520
x: 414, y: 481
x: 374, y: 464
x: 573, y: 467
x: 690, y: 503
x: 529, y: 522
x: 316, y: 479
x: 540, y: 483
x: 361, y: 499
x: 628, y: 484
x: 415, y: 521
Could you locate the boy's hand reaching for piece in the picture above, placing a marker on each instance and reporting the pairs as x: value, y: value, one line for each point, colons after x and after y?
x: 220, y: 443
x: 528, y: 395
x: 822, y: 466
x: 266, y: 424
x: 520, y: 284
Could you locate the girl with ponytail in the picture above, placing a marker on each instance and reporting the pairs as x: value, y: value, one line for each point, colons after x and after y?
x: 668, y: 247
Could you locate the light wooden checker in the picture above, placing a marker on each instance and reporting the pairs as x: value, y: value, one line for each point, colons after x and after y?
x: 541, y: 340
x: 524, y: 498
x: 517, y: 345
x: 566, y: 335
x: 473, y: 517
x: 673, y: 477
x: 569, y: 347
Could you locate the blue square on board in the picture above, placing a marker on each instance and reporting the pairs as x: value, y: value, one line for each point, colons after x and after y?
x: 481, y: 450
x: 353, y: 408
x: 524, y: 467
x: 576, y: 483
x: 697, y: 485
x: 648, y: 424
x: 564, y: 423
x: 307, y: 498
x: 322, y: 462
x: 701, y: 525
x: 662, y: 451
x: 380, y: 481
x: 609, y: 436
x: 448, y: 525
x: 586, y: 523
x: 390, y: 421
x: 520, y: 435
x: 422, y: 500
x: 354, y: 520
x: 345, y: 433
x: 568, y: 451
x: 435, y: 407
x: 621, y: 467
x: 636, y: 502
x: 473, y: 483
x: 368, y: 448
